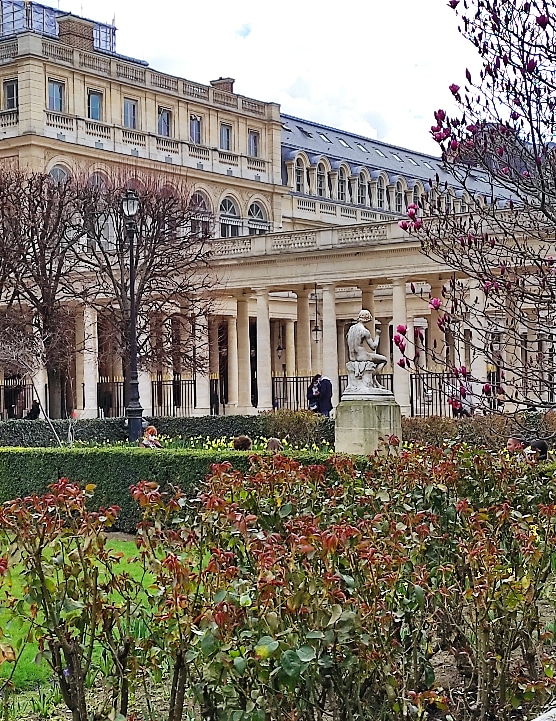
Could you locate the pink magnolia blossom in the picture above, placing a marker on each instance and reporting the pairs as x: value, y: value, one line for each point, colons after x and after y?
x: 514, y: 115
x: 401, y: 329
x: 463, y: 371
x: 412, y: 286
x: 440, y: 115
x: 531, y: 65
x: 454, y: 145
x: 453, y: 4
x: 403, y: 224
x: 412, y: 212
x: 401, y: 362
x: 418, y: 224
x: 454, y: 89
x: 543, y: 21
x: 487, y: 389
x: 397, y: 339
x: 435, y: 303
x: 525, y: 173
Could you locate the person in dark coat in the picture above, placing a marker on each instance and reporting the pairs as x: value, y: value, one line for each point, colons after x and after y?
x: 34, y: 412
x: 313, y: 393
x: 325, y: 396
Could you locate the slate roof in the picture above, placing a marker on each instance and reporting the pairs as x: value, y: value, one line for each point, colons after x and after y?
x: 360, y: 152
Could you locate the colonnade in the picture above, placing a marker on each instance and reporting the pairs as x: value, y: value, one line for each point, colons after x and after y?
x: 256, y: 321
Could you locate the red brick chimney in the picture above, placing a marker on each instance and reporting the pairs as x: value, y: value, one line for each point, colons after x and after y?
x: 224, y: 84
x: 76, y: 32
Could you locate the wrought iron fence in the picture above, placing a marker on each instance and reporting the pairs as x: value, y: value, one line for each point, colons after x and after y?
x: 110, y: 399
x: 173, y: 397
x: 16, y: 398
x: 291, y: 391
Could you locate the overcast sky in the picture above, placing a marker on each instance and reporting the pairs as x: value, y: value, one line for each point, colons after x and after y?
x: 368, y: 66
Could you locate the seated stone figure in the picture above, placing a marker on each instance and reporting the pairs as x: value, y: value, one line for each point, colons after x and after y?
x: 365, y: 363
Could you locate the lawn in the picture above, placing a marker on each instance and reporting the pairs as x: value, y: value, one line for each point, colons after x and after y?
x: 29, y: 673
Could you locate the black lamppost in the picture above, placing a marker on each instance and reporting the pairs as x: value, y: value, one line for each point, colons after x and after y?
x: 134, y: 411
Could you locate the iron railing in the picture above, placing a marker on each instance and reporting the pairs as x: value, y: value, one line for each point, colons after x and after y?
x: 110, y: 399
x: 16, y: 398
x: 291, y: 391
x: 173, y: 397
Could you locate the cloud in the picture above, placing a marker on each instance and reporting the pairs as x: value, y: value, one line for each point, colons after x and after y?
x: 244, y: 30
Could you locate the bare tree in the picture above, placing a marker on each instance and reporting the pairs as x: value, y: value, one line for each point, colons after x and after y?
x: 40, y: 226
x: 171, y: 267
x: 498, y: 236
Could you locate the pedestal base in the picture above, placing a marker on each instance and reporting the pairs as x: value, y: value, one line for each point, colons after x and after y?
x: 360, y: 424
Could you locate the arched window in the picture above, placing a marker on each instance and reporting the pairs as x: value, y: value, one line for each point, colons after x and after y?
x: 399, y: 199
x: 342, y: 185
x: 230, y: 222
x: 416, y: 195
x: 200, y: 222
x: 96, y: 180
x: 321, y: 180
x: 380, y: 194
x: 362, y: 190
x: 256, y: 220
x: 299, y: 176
x: 59, y: 173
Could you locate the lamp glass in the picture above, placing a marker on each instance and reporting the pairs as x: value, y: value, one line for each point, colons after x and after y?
x: 130, y: 204
x: 316, y: 332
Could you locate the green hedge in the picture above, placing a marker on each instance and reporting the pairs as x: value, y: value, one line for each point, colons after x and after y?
x: 302, y: 427
x: 24, y: 471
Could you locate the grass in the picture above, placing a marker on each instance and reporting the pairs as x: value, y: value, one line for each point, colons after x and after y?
x: 29, y: 673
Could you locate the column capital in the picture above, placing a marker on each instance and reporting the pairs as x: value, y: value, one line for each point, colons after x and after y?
x: 302, y: 292
x: 399, y: 280
x: 260, y: 291
x: 328, y: 286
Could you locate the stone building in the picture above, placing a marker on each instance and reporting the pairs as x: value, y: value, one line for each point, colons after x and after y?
x: 306, y: 229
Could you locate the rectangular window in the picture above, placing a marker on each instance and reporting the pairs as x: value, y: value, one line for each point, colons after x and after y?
x: 164, y: 122
x: 94, y: 105
x: 11, y: 99
x: 225, y: 136
x: 130, y: 113
x: 343, y: 142
x: 56, y: 96
x: 195, y: 129
x: 253, y: 144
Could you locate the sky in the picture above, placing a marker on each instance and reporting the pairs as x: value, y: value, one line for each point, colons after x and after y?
x: 371, y: 67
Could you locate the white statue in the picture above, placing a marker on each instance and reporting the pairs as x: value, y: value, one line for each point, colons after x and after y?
x: 364, y: 362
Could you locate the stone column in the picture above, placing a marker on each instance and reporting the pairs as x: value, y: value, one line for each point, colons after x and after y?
x: 479, y: 359
x: 330, y: 339
x: 401, y: 375
x: 202, y: 377
x: 86, y: 362
x: 368, y: 303
x: 244, y: 356
x: 303, y: 334
x: 264, y: 368
x: 232, y: 363
x: 290, y: 348
x: 410, y: 336
x: 39, y: 380
x: 214, y: 356
x: 436, y: 349
x: 341, y: 347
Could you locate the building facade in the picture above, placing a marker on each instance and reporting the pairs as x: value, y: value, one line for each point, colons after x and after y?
x: 306, y: 220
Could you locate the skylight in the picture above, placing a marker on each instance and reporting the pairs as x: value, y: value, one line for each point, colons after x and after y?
x: 397, y: 157
x: 379, y: 152
x: 362, y: 147
x: 343, y: 142
x: 325, y: 138
x: 305, y: 132
x: 428, y: 165
x: 413, y: 162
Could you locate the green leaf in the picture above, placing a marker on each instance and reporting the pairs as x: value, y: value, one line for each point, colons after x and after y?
x: 266, y: 647
x: 314, y: 634
x: 219, y: 596
x: 306, y: 653
x: 420, y: 596
x: 240, y: 664
x: 245, y: 600
x: 208, y: 644
x: 285, y: 510
x: 291, y: 663
x: 336, y: 613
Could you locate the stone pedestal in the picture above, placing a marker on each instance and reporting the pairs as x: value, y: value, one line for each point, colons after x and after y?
x: 361, y: 423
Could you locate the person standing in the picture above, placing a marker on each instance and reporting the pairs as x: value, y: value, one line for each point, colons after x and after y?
x: 313, y: 393
x: 325, y: 396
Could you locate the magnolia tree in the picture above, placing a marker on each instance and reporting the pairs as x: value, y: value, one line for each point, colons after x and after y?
x: 498, y: 302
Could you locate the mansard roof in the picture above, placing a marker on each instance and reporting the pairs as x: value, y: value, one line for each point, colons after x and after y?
x: 357, y: 151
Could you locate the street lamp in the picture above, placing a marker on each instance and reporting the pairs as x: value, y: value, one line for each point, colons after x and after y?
x: 134, y: 411
x: 316, y: 330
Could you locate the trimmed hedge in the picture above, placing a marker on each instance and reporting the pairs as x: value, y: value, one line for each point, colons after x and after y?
x: 304, y: 428
x: 24, y: 471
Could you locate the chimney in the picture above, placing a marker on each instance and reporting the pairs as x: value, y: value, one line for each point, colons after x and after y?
x: 77, y: 32
x: 224, y: 84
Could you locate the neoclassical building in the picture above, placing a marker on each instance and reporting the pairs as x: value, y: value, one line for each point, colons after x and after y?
x: 306, y: 220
